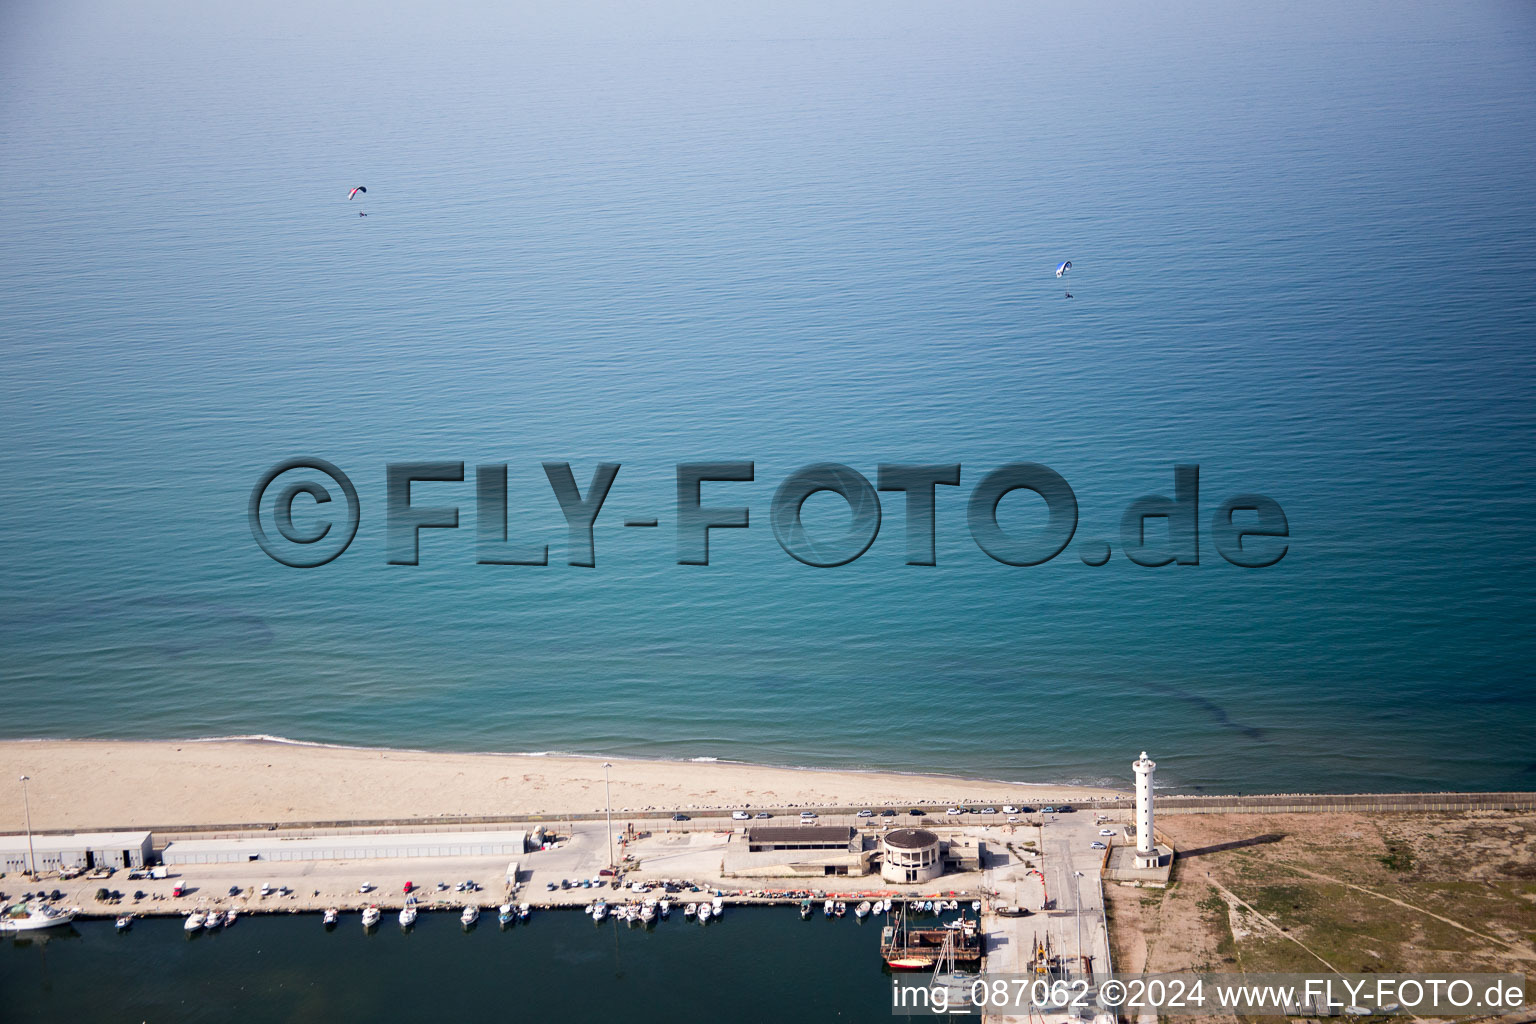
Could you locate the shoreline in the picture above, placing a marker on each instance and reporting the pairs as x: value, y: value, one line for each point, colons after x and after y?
x: 81, y: 784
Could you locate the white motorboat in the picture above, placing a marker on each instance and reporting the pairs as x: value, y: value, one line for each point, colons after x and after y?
x: 523, y: 911
x: 842, y: 908
x: 330, y: 917
x: 862, y: 910
x: 704, y: 911
x: 371, y: 916
x: 215, y: 919
x: 598, y: 910
x: 689, y: 910
x: 229, y: 917
x: 505, y: 915
x: 470, y: 915
x: 631, y: 914
x: 717, y: 905
x: 975, y: 905
x: 648, y: 911
x: 828, y: 908
x: 194, y: 920
x: 27, y: 917
x: 665, y: 907
x: 408, y: 913
x: 806, y: 910
x: 885, y: 905
x: 124, y: 922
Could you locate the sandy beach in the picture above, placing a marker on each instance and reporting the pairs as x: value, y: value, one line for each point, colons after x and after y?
x: 91, y: 784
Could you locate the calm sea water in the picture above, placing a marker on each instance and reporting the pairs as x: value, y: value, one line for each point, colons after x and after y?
x: 752, y: 965
x: 1303, y: 258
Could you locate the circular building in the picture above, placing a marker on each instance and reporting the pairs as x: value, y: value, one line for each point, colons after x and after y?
x: 911, y: 855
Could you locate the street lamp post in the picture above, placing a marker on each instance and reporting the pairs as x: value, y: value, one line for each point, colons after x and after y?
x: 608, y: 805
x: 27, y: 806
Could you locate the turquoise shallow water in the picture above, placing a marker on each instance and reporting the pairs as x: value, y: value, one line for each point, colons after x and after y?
x: 1302, y: 259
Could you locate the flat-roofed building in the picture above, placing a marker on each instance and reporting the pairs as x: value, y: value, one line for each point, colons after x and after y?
x: 345, y: 847
x: 777, y: 851
x: 79, y: 850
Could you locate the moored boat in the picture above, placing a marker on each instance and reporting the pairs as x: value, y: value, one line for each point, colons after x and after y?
x: 470, y: 915
x: 408, y: 912
x: 330, y: 917
x: 862, y: 910
x: 505, y: 915
x: 124, y: 922
x: 806, y: 910
x: 371, y: 916
x: 215, y: 919
x: 194, y: 921
x: 523, y: 911
x: 842, y: 908
x: 689, y: 910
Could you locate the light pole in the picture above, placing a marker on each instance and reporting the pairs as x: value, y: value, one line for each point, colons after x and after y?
x: 608, y: 805
x: 28, y: 808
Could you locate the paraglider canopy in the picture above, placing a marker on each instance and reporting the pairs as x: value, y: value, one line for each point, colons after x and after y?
x: 1062, y: 270
x: 360, y: 188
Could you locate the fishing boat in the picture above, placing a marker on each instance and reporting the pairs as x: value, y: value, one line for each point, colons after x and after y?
x: 215, y: 919
x: 689, y: 910
x: 842, y: 908
x: 27, y: 917
x: 229, y: 917
x: 598, y: 910
x: 505, y: 915
x: 828, y: 908
x: 470, y: 915
x: 664, y: 908
x: 648, y: 911
x: 124, y: 922
x: 408, y: 912
x: 523, y: 911
x: 905, y: 948
x: 717, y: 906
x: 806, y: 910
x: 704, y: 911
x: 330, y: 917
x: 371, y: 916
x: 861, y: 911
x: 194, y: 920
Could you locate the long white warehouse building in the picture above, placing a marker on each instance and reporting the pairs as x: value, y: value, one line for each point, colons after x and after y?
x: 345, y: 847
x: 81, y: 850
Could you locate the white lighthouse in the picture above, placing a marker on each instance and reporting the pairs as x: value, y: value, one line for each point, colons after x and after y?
x: 1146, y: 844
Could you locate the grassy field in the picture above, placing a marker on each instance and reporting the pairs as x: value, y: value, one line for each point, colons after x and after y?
x: 1343, y: 892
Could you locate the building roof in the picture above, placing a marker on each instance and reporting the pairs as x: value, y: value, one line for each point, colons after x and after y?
x: 800, y: 834
x: 354, y: 841
x: 911, y: 838
x: 77, y: 841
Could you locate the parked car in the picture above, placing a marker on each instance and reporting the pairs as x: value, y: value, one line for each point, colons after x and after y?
x: 679, y: 817
x: 989, y: 810
x: 1098, y: 845
x: 741, y: 816
x: 955, y: 810
x: 762, y: 814
x: 887, y: 813
x: 917, y: 812
x: 807, y: 815
x: 866, y: 813
x: 1106, y: 831
x: 1010, y: 809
